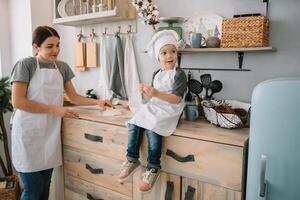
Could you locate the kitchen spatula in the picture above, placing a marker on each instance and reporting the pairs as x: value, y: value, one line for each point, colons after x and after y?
x: 188, y: 96
x: 205, y: 80
x: 215, y: 86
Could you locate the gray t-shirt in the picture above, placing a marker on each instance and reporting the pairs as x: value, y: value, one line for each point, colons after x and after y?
x: 180, y: 83
x: 24, y: 69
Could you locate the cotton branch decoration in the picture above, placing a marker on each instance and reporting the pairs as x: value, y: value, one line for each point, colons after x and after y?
x: 148, y: 11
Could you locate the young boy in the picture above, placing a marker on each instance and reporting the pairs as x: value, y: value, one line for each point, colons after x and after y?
x: 160, y: 115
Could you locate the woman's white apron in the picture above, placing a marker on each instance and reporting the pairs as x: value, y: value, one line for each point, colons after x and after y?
x: 36, y: 138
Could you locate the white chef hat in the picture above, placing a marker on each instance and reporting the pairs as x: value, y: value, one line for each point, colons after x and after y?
x: 161, y: 39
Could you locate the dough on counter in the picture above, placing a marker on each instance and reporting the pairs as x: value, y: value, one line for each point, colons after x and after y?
x: 112, y: 112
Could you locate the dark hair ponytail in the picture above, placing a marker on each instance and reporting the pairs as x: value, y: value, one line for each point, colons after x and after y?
x: 41, y: 33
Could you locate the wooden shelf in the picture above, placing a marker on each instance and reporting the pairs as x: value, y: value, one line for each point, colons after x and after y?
x: 239, y: 51
x: 199, y: 50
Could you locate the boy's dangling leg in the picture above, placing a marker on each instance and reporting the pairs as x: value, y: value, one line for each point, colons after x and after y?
x: 135, y: 136
x: 153, y: 166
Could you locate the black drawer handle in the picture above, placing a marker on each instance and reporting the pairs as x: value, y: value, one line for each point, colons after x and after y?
x: 169, y: 190
x: 188, y: 158
x: 94, y: 171
x: 189, y: 194
x: 90, y: 197
x: 94, y: 138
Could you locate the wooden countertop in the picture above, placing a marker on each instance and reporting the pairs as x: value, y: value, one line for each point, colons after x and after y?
x: 200, y: 129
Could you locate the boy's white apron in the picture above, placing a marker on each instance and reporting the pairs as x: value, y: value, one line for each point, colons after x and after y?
x: 158, y: 115
x: 36, y: 139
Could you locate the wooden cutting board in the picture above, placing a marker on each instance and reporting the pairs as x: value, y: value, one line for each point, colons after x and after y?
x: 80, y: 55
x: 91, y: 54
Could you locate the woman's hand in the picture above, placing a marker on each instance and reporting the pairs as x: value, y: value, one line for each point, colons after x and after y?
x: 103, y: 103
x: 64, y: 112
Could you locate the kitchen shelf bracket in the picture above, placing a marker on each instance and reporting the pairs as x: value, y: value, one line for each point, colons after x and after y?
x: 241, y: 59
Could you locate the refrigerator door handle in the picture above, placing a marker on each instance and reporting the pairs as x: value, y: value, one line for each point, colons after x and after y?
x: 263, y: 183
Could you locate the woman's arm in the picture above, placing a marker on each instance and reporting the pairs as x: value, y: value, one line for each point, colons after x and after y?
x: 20, y: 101
x: 152, y: 92
x: 80, y: 100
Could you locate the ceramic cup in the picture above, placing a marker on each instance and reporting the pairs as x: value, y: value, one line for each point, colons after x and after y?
x: 196, y: 40
x: 191, y: 112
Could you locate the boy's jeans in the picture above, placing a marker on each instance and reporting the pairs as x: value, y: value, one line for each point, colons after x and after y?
x: 135, y: 135
x: 36, y: 185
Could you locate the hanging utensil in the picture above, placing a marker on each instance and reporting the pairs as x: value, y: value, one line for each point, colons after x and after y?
x: 205, y: 80
x: 195, y: 87
x: 215, y: 86
x: 80, y: 53
x: 91, y: 51
x: 188, y: 96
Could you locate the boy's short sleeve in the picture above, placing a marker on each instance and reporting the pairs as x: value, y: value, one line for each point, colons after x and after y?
x: 180, y: 83
x: 153, y: 76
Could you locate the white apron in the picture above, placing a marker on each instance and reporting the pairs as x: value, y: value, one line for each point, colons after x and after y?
x: 158, y: 115
x: 36, y: 139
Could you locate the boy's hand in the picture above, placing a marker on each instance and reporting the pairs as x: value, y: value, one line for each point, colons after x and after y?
x: 150, y: 91
x: 142, y: 87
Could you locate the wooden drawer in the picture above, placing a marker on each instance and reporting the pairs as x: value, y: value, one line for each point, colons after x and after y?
x: 96, y: 169
x: 209, y: 162
x: 78, y: 189
x: 197, y: 190
x: 95, y: 137
x: 165, y: 183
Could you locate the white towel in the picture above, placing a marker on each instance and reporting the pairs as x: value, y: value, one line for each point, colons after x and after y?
x: 105, y: 69
x: 131, y: 76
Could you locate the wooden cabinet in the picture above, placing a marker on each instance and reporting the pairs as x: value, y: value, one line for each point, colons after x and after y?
x: 215, y: 163
x: 92, y: 155
x: 199, y: 161
x: 193, y: 189
x: 83, y: 12
x: 167, y: 187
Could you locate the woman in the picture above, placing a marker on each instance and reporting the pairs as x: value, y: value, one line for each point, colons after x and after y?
x: 38, y: 84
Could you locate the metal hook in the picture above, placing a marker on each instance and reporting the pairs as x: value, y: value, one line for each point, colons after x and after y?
x: 105, y: 31
x: 80, y: 35
x: 129, y: 31
x: 92, y: 35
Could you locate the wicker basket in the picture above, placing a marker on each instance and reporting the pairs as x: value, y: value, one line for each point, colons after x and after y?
x: 226, y: 120
x: 245, y: 32
x: 13, y: 193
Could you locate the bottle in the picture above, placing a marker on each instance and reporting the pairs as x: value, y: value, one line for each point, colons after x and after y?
x: 201, y: 28
x: 110, y: 4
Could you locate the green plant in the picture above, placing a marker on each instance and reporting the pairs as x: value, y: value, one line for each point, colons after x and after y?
x: 5, y: 106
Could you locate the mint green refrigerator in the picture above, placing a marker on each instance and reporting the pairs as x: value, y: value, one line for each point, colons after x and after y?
x: 274, y: 141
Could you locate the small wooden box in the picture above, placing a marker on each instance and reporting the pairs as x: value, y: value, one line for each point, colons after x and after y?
x: 245, y: 32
